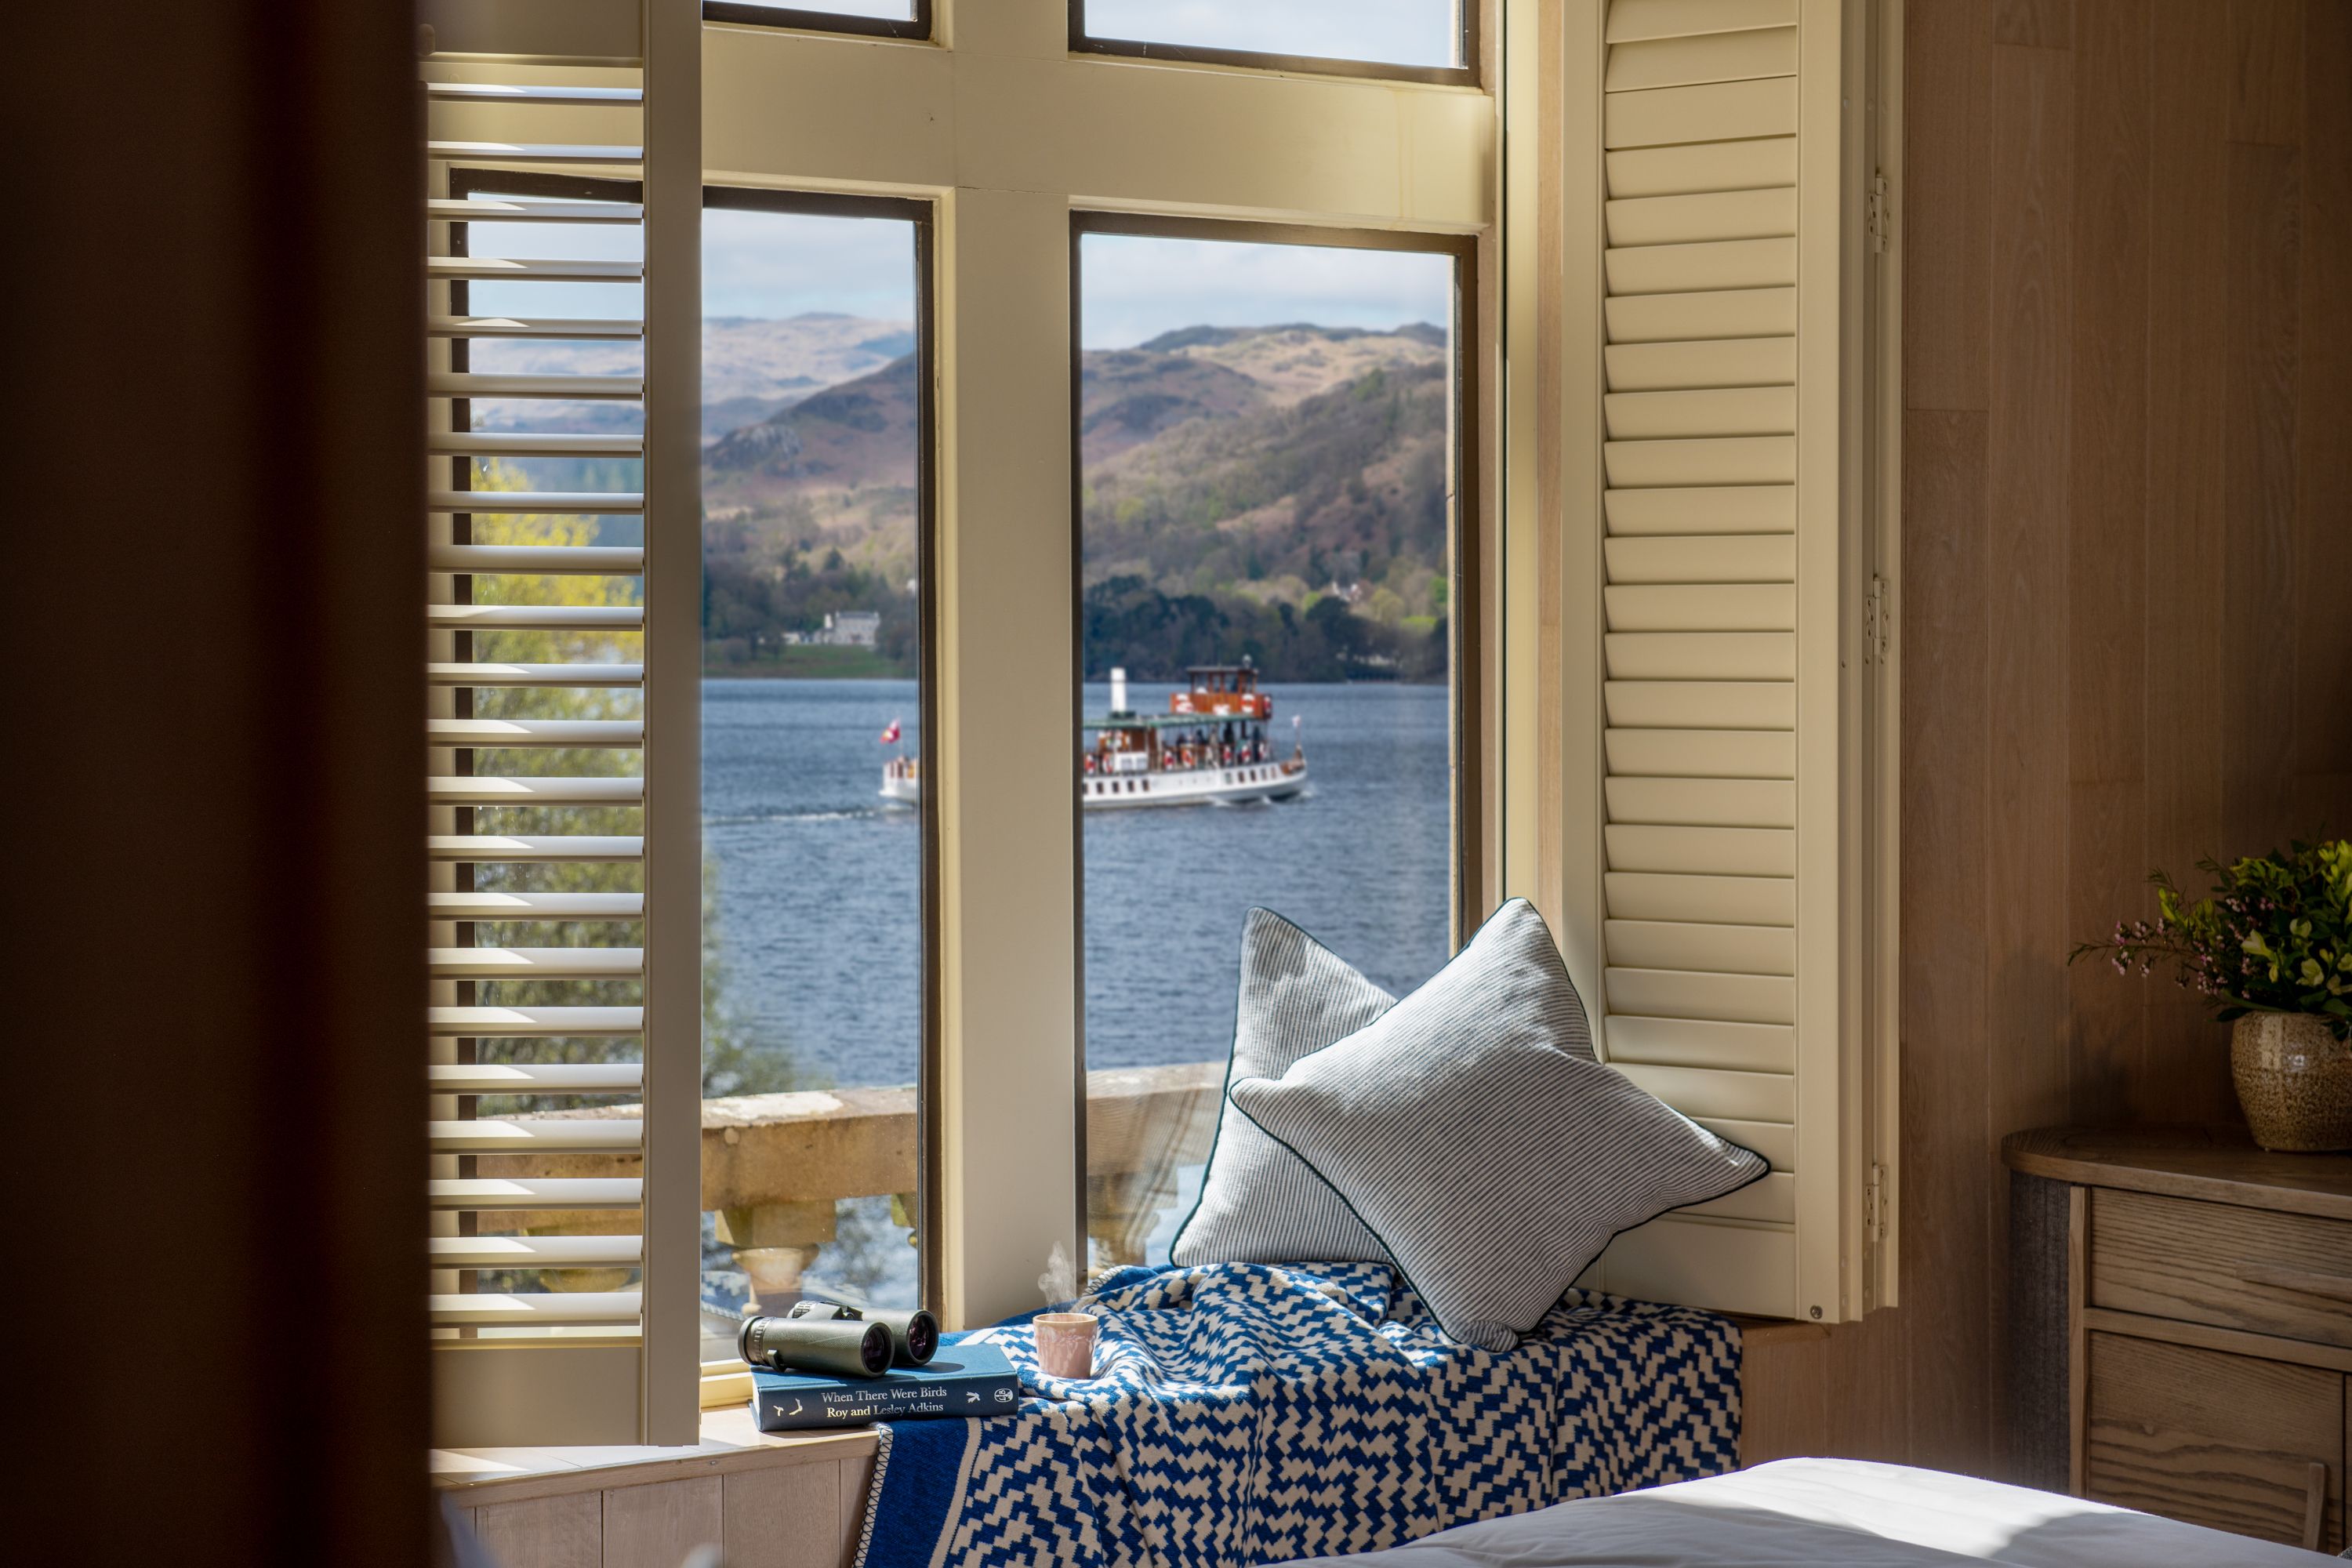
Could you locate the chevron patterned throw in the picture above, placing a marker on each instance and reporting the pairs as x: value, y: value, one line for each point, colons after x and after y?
x: 1253, y: 1413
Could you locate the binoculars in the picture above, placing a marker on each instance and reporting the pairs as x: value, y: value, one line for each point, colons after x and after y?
x: 823, y: 1336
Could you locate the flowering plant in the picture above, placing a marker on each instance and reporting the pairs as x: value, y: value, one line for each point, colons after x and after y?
x: 2276, y: 936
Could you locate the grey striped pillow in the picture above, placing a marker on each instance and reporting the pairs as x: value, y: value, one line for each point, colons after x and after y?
x: 1259, y: 1204
x: 1471, y: 1130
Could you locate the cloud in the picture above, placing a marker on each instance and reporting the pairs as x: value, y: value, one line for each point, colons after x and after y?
x: 784, y: 264
x: 1137, y: 288
x: 1404, y: 32
x: 773, y: 264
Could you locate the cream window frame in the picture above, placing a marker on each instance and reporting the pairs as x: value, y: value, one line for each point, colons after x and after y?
x: 1009, y: 131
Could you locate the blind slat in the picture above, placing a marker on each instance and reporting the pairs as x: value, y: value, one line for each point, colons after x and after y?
x: 1708, y: 362
x: 1703, y: 558
x: 1698, y: 170
x: 1702, y: 851
x: 1636, y: 64
x: 1703, y: 803
x: 1701, y: 704
x: 1695, y: 1043
x: 1728, y: 900
x: 1725, y: 950
x: 1721, y: 111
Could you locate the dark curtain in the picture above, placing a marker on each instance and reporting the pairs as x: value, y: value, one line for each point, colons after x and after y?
x: 214, y: 988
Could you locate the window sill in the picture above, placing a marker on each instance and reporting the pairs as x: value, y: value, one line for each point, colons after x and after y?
x: 730, y: 1442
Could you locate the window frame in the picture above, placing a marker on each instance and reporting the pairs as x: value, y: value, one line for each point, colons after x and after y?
x: 1471, y: 746
x: 794, y: 109
x: 1468, y: 73
x: 917, y: 29
x: 922, y: 216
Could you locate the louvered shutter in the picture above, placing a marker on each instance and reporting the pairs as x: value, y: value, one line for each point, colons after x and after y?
x: 1732, y: 824
x: 565, y: 1250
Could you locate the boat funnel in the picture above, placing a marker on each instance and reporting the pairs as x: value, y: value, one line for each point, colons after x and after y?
x: 1119, y: 691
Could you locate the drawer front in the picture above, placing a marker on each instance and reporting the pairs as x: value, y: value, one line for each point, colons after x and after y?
x: 2215, y: 1439
x: 2268, y: 1273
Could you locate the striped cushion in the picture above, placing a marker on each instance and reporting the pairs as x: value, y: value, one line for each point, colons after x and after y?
x: 1258, y: 1203
x: 1472, y: 1131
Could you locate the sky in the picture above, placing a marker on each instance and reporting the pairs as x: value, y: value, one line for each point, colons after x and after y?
x: 775, y: 265
x: 761, y: 264
x: 1402, y: 32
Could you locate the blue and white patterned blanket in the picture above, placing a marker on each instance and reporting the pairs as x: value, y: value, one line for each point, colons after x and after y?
x: 1249, y: 1413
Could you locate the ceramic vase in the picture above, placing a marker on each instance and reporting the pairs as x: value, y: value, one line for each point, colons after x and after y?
x: 2295, y: 1081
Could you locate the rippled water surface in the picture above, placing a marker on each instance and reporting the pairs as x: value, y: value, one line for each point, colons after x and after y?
x: 818, y: 877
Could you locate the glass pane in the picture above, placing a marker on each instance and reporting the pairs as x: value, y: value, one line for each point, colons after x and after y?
x: 887, y: 10
x: 813, y: 975
x: 561, y: 301
x: 1390, y: 32
x: 1265, y: 449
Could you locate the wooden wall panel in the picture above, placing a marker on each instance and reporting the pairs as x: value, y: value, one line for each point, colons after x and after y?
x: 2128, y: 547
x: 2187, y: 1077
x: 1946, y: 1117
x: 2034, y: 24
x: 2322, y: 533
x: 1947, y: 84
x: 2028, y: 482
x: 2266, y: 69
x: 2107, y: 654
x: 2263, y: 222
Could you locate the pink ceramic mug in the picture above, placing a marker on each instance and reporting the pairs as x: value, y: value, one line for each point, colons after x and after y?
x: 1065, y: 1343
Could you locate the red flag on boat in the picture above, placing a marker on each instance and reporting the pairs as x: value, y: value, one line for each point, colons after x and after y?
x: 890, y: 735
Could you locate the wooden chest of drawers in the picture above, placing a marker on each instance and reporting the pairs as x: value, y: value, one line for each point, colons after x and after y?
x: 2182, y: 1326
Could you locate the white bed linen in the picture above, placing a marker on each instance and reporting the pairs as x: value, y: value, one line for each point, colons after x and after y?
x: 1833, y: 1513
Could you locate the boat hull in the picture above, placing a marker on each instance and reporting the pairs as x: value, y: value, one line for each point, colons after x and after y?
x: 1138, y: 791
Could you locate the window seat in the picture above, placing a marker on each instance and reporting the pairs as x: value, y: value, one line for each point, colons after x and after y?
x: 797, y: 1500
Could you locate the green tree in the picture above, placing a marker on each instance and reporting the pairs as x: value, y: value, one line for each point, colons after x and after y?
x: 734, y: 1060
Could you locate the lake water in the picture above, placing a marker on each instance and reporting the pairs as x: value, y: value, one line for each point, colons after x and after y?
x: 817, y: 883
x: 818, y: 877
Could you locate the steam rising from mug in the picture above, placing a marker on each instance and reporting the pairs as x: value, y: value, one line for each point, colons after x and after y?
x: 1059, y: 1283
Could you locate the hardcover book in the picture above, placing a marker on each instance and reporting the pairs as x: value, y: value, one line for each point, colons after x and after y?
x: 961, y: 1380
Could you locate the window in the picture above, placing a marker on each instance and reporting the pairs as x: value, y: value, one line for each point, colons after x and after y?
x: 816, y: 489
x: 1419, y: 40
x: 1521, y: 666
x: 881, y: 18
x: 1269, y: 442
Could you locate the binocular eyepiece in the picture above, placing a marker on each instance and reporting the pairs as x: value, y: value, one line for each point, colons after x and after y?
x: 823, y: 1336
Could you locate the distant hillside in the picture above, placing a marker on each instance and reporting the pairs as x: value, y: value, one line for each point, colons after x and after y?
x: 751, y: 367
x: 1233, y: 478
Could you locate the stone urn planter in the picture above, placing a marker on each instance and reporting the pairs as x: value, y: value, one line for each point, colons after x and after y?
x: 2295, y: 1081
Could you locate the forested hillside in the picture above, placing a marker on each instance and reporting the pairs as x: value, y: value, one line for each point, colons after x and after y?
x: 1278, y: 492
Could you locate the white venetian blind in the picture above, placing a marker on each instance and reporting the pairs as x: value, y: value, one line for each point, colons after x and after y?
x: 547, y: 1300
x: 1720, y: 572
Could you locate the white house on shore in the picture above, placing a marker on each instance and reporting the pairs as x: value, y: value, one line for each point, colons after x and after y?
x: 843, y: 629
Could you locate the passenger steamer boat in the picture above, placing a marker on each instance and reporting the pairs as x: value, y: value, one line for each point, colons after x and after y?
x: 1210, y: 747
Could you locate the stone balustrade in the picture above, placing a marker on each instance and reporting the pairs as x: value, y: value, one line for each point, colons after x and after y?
x: 774, y: 1166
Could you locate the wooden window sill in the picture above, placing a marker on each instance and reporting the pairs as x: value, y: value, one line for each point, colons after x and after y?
x: 730, y: 1442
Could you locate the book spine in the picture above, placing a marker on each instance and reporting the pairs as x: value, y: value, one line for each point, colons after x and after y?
x: 795, y: 1410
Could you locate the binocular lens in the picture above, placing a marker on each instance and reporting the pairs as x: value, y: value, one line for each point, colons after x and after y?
x: 914, y: 1334
x: 920, y: 1339
x: 844, y: 1346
